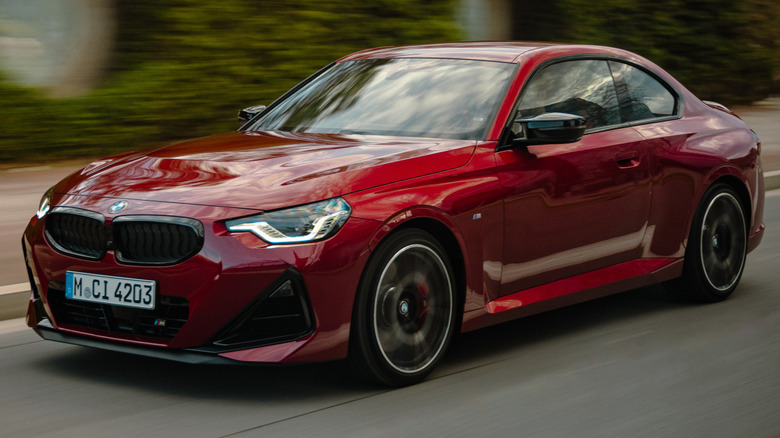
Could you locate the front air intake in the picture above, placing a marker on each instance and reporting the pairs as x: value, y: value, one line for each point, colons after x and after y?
x: 163, y: 322
x: 281, y: 314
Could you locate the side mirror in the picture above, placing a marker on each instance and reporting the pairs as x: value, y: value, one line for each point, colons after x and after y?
x: 550, y: 128
x: 246, y: 114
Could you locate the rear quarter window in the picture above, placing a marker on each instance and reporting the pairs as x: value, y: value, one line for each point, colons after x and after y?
x: 642, y: 97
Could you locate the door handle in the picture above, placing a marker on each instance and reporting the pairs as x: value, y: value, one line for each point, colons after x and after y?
x: 627, y: 159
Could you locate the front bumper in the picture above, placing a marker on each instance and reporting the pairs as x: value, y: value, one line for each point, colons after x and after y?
x: 46, y: 330
x: 229, y: 293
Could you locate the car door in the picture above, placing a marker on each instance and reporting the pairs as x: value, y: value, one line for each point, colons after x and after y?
x: 653, y: 108
x: 573, y: 208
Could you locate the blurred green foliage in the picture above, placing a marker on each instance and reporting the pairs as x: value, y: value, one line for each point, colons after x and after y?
x: 722, y: 50
x: 183, y: 68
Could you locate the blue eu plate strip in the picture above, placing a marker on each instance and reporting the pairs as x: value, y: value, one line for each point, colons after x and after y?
x: 68, y: 285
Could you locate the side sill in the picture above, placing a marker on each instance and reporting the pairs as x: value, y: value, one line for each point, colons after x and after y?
x: 573, y: 290
x: 589, y: 280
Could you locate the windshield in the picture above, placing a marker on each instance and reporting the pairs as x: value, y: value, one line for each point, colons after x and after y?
x: 441, y: 98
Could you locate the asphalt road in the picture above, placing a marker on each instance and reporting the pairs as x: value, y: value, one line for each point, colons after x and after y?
x: 638, y: 364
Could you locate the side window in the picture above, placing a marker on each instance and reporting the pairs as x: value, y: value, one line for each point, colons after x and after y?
x: 582, y: 87
x: 641, y: 96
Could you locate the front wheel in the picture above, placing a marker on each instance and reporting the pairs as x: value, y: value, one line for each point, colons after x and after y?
x: 405, y: 310
x: 717, y: 246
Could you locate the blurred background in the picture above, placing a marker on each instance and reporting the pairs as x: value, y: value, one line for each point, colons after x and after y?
x: 87, y: 78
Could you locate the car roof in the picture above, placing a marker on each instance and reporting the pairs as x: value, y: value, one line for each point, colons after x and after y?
x: 507, y: 51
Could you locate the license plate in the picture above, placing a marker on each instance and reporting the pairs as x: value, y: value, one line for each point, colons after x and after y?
x: 108, y: 289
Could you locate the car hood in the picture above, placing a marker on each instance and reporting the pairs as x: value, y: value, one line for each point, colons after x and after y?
x: 265, y: 171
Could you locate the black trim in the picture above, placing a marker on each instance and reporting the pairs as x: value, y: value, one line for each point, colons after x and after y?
x: 80, y: 212
x: 222, y: 341
x: 45, y: 330
x: 193, y: 224
x: 111, y: 235
x: 73, y: 211
x: 178, y: 220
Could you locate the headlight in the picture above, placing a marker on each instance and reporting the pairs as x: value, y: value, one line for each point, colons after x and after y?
x: 305, y: 223
x: 45, y: 205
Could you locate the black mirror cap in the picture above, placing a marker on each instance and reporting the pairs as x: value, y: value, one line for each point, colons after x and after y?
x: 550, y: 128
x: 246, y: 114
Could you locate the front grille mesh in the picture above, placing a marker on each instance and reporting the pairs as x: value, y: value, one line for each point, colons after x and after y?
x: 136, y: 240
x: 164, y: 322
x: 154, y: 243
x: 77, y: 235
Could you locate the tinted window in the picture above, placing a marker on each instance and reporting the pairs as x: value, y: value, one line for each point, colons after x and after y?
x: 583, y: 87
x: 641, y: 95
x: 445, y: 98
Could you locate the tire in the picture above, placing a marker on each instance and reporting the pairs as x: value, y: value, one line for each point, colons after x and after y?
x: 717, y: 246
x: 405, y: 310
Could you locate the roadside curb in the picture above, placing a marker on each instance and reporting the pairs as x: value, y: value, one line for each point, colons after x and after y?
x: 14, y: 298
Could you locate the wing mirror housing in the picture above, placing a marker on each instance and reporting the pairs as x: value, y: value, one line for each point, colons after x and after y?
x: 247, y: 113
x: 549, y: 128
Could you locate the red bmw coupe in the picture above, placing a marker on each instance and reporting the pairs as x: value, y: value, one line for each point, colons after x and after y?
x: 395, y: 197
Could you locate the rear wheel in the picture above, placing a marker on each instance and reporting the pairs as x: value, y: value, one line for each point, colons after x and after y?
x: 717, y: 246
x: 405, y: 310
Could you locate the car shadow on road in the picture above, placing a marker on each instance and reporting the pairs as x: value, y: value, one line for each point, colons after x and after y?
x: 496, y: 342
x: 279, y: 383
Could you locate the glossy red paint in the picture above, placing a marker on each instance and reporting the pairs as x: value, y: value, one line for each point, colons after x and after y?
x: 527, y: 228
x: 550, y: 188
x: 481, y: 51
x: 265, y: 170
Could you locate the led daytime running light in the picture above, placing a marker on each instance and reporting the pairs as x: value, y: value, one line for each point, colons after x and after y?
x: 317, y: 221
